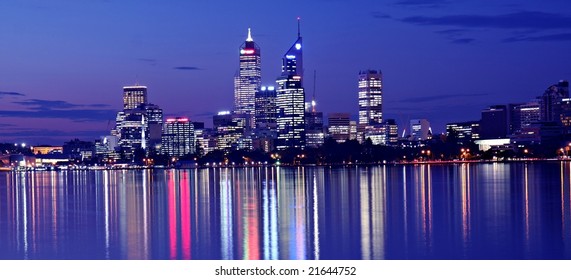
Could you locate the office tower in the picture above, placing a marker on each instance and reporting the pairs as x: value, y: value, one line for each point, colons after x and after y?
x: 494, y: 123
x: 314, y: 131
x: 266, y: 108
x: 339, y: 126
x: 248, y: 80
x: 229, y: 128
x: 132, y: 128
x: 139, y: 124
x: 550, y: 101
x: 290, y: 99
x: 154, y: 116
x: 134, y: 96
x: 463, y: 133
x: 420, y: 129
x: 370, y: 97
x: 385, y: 133
x: 178, y: 137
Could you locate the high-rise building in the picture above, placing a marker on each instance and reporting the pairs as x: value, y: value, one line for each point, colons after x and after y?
x: 314, y: 131
x: 248, y: 80
x: 290, y: 99
x: 463, y: 132
x: 339, y: 126
x: 139, y: 124
x: 178, y: 137
x: 370, y: 97
x: 154, y: 115
x: 134, y: 96
x: 494, y: 123
x: 420, y: 129
x: 383, y: 134
x: 550, y: 101
x: 229, y: 129
x: 266, y: 108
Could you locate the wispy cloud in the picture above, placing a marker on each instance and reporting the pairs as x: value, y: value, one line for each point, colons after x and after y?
x: 380, y: 15
x: 187, y: 68
x: 10, y: 93
x: 42, y: 104
x: 150, y: 61
x: 78, y: 115
x: 518, y: 20
x: 463, y: 41
x: 543, y: 38
x: 422, y: 3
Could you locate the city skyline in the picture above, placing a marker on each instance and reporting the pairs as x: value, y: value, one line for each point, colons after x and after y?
x: 60, y: 82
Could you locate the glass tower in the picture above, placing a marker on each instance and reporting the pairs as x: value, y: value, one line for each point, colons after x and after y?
x: 134, y: 96
x: 248, y: 80
x: 290, y: 99
x: 370, y: 97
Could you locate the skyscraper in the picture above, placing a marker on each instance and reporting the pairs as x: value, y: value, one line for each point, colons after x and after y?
x: 134, y: 96
x: 550, y: 101
x: 178, y: 137
x: 290, y: 99
x: 370, y: 97
x: 266, y: 108
x: 248, y: 80
x: 339, y: 126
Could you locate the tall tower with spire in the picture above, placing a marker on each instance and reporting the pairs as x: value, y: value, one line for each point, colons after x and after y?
x: 290, y: 98
x: 248, y: 79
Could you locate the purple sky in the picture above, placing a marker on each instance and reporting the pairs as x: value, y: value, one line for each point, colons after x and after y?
x: 63, y: 63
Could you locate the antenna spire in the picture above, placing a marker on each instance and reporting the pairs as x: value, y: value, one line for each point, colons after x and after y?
x: 249, y: 39
x: 298, y: 27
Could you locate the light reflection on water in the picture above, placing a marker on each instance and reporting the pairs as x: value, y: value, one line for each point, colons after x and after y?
x: 460, y: 211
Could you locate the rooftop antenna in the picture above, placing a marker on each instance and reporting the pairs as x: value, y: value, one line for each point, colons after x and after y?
x: 298, y: 27
x: 249, y: 39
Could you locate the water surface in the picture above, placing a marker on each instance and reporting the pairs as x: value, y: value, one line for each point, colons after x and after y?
x: 456, y: 211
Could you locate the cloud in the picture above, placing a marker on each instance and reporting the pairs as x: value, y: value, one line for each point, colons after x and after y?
x: 423, y: 3
x: 42, y: 104
x: 150, y: 61
x: 53, y: 133
x: 187, y: 68
x: 10, y: 93
x: 438, y: 97
x: 518, y: 20
x: 452, y: 32
x: 463, y: 41
x: 544, y: 38
x: 380, y: 15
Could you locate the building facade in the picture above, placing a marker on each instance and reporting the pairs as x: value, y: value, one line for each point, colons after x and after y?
x: 248, y: 80
x: 178, y: 137
x: 290, y: 99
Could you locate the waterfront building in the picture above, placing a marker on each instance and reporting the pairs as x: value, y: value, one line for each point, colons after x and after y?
x: 134, y: 96
x: 339, y: 126
x: 248, y: 79
x: 290, y: 99
x: 266, y: 111
x: 494, y: 123
x: 178, y: 137
x: 420, y: 130
x: 550, y: 101
x: 370, y: 97
x: 463, y: 132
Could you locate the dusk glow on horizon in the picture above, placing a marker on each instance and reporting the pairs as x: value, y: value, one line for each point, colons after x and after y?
x: 63, y: 64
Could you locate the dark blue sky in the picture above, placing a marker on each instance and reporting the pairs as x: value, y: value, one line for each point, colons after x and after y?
x: 63, y: 63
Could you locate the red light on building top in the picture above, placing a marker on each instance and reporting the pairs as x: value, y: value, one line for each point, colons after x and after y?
x: 170, y: 120
x: 247, y: 51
